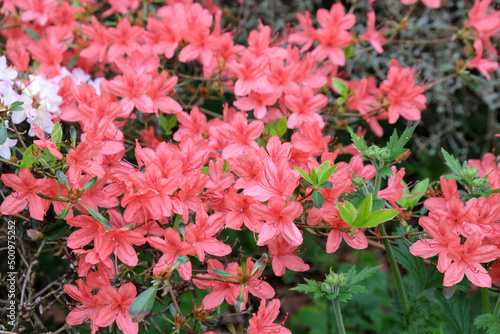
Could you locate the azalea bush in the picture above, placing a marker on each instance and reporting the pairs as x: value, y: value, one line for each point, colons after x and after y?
x: 180, y: 166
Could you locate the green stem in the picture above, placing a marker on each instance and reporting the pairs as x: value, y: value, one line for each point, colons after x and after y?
x: 497, y: 307
x: 486, y: 300
x: 395, y: 271
x: 388, y: 249
x: 338, y: 316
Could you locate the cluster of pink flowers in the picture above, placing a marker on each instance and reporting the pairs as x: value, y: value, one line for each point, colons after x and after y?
x: 464, y: 235
x: 247, y: 185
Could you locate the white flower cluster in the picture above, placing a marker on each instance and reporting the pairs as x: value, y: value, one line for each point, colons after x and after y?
x: 39, y: 97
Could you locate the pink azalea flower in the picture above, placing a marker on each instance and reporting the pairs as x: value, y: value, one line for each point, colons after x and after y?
x: 404, y: 98
x: 262, y: 322
x: 279, y: 217
x: 25, y: 187
x: 283, y: 257
x: 482, y: 64
x: 373, y: 36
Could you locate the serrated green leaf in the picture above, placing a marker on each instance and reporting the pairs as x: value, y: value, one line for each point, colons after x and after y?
x: 318, y: 199
x: 380, y: 216
x: 363, y: 212
x: 359, y: 143
x: 340, y: 86
x: 385, y: 172
x: 304, y: 175
x: 31, y: 33
x: 451, y: 177
x: 452, y: 163
x: 488, y: 322
x: 222, y: 273
x: 396, y: 144
x: 205, y: 170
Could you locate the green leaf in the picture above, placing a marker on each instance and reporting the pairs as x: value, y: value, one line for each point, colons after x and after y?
x: 409, y: 201
x: 57, y: 230
x: 179, y: 261
x: 345, y: 214
x: 452, y: 163
x: 312, y: 287
x: 90, y: 183
x: 451, y: 177
x: 28, y: 159
x: 489, y: 322
x: 64, y: 212
x: 359, y: 143
x: 396, y: 144
x: 380, y: 216
x: 318, y: 199
x: 62, y: 178
x: 340, y: 86
x: 447, y: 67
x: 314, y: 176
x: 322, y: 170
x: 222, y: 273
x: 355, y: 278
x: 163, y: 123
x: 16, y: 106
x: 326, y: 175
x: 143, y: 303
x: 72, y: 61
x: 31, y: 33
x: 364, y: 212
x: 281, y: 128
x: 304, y: 175
x: 172, y: 122
x: 3, y: 133
x: 97, y: 216
x: 56, y: 135
x: 385, y: 172
x: 326, y: 185
x: 341, y: 100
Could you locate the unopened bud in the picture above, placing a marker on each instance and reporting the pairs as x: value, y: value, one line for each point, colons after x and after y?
x: 34, y: 234
x: 470, y: 172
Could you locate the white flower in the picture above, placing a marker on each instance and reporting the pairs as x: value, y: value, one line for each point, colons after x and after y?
x: 6, y: 73
x: 20, y: 116
x: 41, y: 118
x: 5, y: 148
